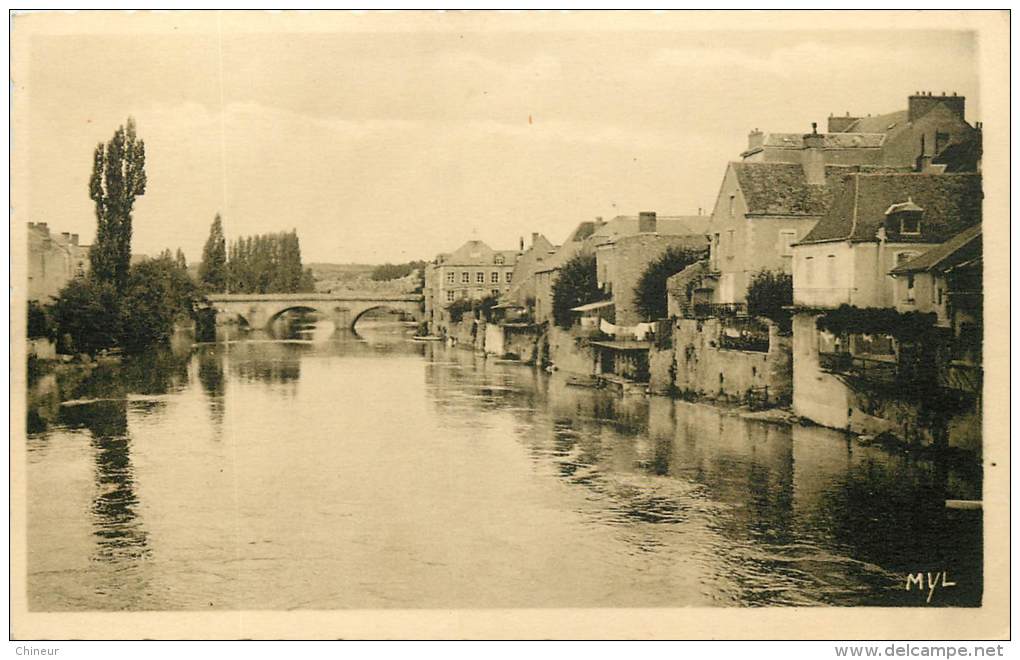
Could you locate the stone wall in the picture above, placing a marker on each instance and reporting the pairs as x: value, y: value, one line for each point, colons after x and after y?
x: 696, y: 365
x: 570, y: 353
x: 855, y: 405
x: 513, y: 342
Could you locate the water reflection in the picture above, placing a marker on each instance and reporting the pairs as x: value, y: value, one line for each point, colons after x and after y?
x: 305, y: 471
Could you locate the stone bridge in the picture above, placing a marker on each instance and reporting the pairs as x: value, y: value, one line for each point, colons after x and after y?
x: 259, y: 310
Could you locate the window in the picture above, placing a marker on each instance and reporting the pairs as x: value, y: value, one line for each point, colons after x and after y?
x: 830, y: 265
x: 730, y: 250
x: 733, y: 200
x: 494, y: 277
x: 449, y: 296
x: 910, y: 224
x: 451, y: 277
x: 480, y: 277
x: 495, y: 293
x: 787, y: 238
x: 910, y: 288
x: 509, y: 276
x: 465, y: 277
x: 499, y: 260
x: 809, y: 270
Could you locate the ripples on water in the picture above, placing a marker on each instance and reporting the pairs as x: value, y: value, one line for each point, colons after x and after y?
x: 345, y: 472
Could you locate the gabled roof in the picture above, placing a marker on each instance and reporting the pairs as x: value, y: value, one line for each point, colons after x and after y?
x: 963, y: 247
x: 951, y: 202
x: 886, y: 123
x: 829, y: 140
x: 666, y: 225
x: 782, y: 188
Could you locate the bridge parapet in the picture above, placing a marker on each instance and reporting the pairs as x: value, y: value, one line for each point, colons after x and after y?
x: 259, y: 310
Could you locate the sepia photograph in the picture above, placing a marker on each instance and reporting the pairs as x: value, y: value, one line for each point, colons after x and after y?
x: 517, y: 325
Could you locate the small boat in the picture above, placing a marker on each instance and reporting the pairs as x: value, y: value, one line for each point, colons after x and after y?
x: 425, y: 338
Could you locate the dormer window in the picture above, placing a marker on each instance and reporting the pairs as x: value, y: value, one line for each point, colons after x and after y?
x: 904, y: 218
x: 499, y: 260
x: 910, y: 225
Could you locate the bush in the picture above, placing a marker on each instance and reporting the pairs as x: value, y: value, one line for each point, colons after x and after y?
x: 94, y: 316
x: 650, y: 295
x: 458, y: 307
x: 39, y: 322
x: 577, y: 285
x: 769, y: 295
x: 87, y: 312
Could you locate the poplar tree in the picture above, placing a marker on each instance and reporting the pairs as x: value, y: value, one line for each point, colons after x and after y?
x: 212, y: 273
x: 118, y: 177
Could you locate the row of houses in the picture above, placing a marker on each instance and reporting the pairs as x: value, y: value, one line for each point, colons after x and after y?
x: 876, y: 221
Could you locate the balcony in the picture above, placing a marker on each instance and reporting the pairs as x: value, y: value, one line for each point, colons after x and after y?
x: 878, y: 369
x: 713, y: 310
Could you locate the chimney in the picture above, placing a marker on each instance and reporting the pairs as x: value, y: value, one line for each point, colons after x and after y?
x: 755, y: 139
x: 921, y: 103
x: 66, y: 235
x: 534, y: 238
x: 812, y: 157
x: 924, y: 160
x: 74, y: 239
x: 646, y: 222
x: 522, y: 245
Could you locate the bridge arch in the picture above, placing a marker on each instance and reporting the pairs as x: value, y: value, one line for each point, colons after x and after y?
x: 344, y: 309
x: 356, y: 316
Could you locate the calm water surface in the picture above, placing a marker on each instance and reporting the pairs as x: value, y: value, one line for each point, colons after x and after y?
x: 338, y: 471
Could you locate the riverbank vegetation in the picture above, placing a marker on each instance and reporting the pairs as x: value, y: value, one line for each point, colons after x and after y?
x: 577, y: 285
x: 650, y: 293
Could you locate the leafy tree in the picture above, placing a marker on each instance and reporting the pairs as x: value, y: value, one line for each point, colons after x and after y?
x: 269, y: 263
x: 650, y: 292
x: 118, y: 177
x: 576, y: 285
x: 39, y: 322
x: 87, y: 313
x: 159, y: 292
x: 212, y: 273
x: 768, y: 294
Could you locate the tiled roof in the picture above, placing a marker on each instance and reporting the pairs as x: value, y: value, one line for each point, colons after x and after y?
x: 879, y: 123
x: 951, y: 202
x: 667, y: 225
x: 829, y: 140
x: 962, y: 156
x: 782, y: 188
x: 964, y: 245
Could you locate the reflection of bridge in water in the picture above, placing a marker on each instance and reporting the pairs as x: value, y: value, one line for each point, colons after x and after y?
x: 259, y: 310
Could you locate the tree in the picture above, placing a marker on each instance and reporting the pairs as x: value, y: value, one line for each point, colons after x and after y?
x: 269, y: 263
x: 650, y: 292
x: 118, y: 177
x: 212, y: 273
x: 87, y: 312
x: 159, y: 292
x: 770, y: 294
x: 577, y: 285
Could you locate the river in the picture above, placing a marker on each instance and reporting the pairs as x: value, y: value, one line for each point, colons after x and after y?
x: 331, y: 470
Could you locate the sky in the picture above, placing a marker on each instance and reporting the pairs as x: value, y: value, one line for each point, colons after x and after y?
x: 381, y: 144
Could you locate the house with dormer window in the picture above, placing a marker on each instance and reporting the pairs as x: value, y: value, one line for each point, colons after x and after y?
x: 864, y: 263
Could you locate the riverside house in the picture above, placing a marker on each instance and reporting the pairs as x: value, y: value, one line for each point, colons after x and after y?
x: 474, y: 270
x: 855, y: 349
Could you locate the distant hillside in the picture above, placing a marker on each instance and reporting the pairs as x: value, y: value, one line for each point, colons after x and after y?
x: 340, y: 272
